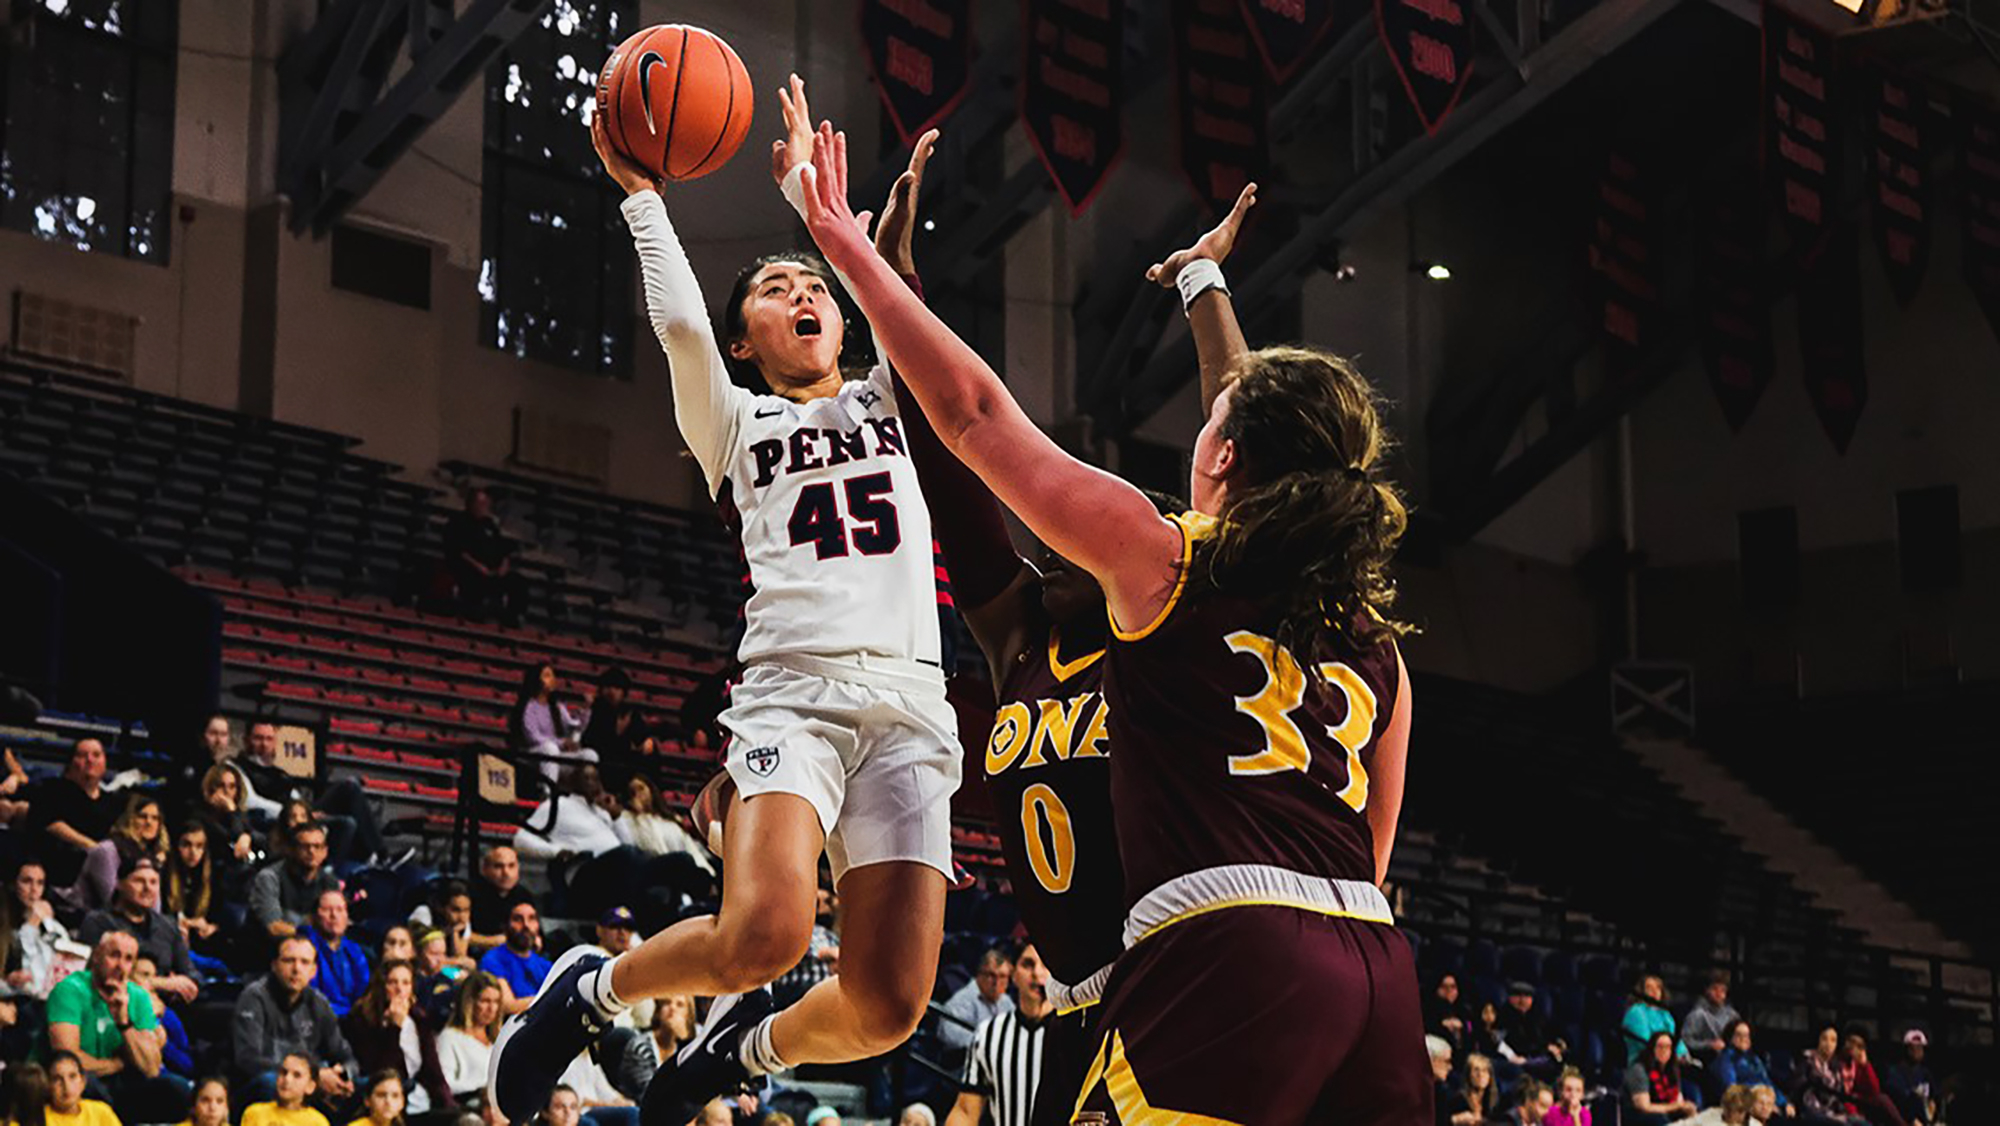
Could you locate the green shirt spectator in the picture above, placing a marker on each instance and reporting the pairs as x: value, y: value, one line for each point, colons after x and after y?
x: 74, y: 1001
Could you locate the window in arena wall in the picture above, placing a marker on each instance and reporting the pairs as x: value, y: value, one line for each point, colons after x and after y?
x: 87, y: 144
x: 555, y: 269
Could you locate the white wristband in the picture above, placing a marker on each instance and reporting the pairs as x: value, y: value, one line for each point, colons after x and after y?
x: 1196, y: 278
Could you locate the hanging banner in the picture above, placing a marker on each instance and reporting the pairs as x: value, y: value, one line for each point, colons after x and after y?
x: 1802, y: 142
x: 920, y: 52
x: 1624, y: 253
x: 1071, y: 91
x: 1287, y: 32
x: 1899, y: 174
x: 1830, y: 339
x: 1219, y: 103
x: 1430, y: 44
x: 1735, y: 315
x: 1979, y: 169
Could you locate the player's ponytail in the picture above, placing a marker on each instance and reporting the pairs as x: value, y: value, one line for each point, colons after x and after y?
x: 1316, y: 527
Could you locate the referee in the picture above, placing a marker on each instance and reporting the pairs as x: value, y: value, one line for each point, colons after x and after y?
x: 1004, y: 1062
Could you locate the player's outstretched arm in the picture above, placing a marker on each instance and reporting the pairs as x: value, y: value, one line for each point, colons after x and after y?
x: 706, y: 404
x: 1218, y: 338
x: 1102, y: 523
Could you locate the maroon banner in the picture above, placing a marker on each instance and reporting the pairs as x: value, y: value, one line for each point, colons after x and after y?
x: 1218, y: 101
x: 1072, y: 90
x: 1624, y: 253
x: 1430, y: 44
x: 1830, y: 340
x: 1979, y: 168
x: 1735, y: 315
x: 920, y: 52
x: 1899, y: 179
x: 1288, y: 31
x: 1803, y: 142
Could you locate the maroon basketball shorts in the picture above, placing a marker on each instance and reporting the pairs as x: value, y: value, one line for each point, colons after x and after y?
x: 1067, y: 1047
x: 1262, y: 1016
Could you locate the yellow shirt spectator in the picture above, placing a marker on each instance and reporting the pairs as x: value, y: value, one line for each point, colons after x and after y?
x: 89, y: 1112
x: 271, y: 1114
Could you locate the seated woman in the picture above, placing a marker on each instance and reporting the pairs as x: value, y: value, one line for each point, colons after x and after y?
x: 138, y: 831
x: 1653, y: 1084
x: 222, y: 815
x: 387, y: 1034
x: 1824, y: 1095
x: 1569, y: 1108
x: 187, y: 889
x: 1740, y: 1063
x: 466, y: 1043
x: 34, y: 962
x: 1732, y: 1110
x: 1865, y: 1087
x: 1479, y: 1094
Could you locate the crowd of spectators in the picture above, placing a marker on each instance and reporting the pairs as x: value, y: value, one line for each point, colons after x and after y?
x: 1505, y: 1064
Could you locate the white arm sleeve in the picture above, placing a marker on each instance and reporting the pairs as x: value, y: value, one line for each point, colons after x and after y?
x: 793, y: 186
x: 707, y: 406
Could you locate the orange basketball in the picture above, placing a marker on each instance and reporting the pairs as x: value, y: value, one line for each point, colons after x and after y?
x: 677, y: 100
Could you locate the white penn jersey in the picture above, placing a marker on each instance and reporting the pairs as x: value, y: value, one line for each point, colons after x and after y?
x: 832, y: 520
x: 834, y: 527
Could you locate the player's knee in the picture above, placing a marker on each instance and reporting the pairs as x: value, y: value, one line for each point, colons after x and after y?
x: 885, y: 1018
x: 759, y: 949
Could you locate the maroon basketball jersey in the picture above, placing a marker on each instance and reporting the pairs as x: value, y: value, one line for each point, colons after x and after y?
x: 1048, y: 771
x: 1229, y: 752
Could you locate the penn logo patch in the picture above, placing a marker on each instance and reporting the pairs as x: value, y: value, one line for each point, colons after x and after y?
x: 761, y: 760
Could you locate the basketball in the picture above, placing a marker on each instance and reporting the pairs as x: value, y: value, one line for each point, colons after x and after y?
x: 678, y: 100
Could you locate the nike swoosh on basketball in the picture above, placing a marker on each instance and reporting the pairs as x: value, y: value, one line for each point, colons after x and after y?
x: 647, y: 62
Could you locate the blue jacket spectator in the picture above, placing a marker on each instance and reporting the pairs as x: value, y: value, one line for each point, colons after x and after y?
x: 519, y: 962
x: 343, y: 966
x: 1740, y: 1063
x: 1647, y: 1018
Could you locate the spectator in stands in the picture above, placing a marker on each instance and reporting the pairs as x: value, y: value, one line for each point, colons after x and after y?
x: 397, y: 945
x: 1647, y: 1017
x: 1524, y: 1036
x: 654, y: 831
x: 292, y: 813
x: 1823, y: 1091
x: 1444, y: 1096
x: 822, y: 956
x: 135, y: 912
x: 284, y: 894
x: 1445, y: 1013
x: 211, y: 1103
x: 291, y: 1085
x: 1484, y: 1036
x: 672, y: 1025
x: 603, y: 1104
x: 1702, y: 1030
x: 138, y: 831
x: 280, y: 1014
x: 578, y: 832
x: 916, y: 1114
x: 518, y: 962
x: 449, y: 913
x: 1532, y: 1104
x: 1653, y: 1083
x: 1569, y: 1108
x: 1864, y: 1086
x: 36, y: 933
x: 1908, y: 1080
x: 343, y: 966
x: 70, y: 814
x: 615, y: 935
x: 354, y: 831
x: 495, y: 894
x: 437, y: 978
x: 387, y: 1034
x: 480, y: 558
x: 615, y: 730
x: 564, y: 1108
x: 539, y: 723
x: 1478, y: 1095
x: 383, y: 1101
x: 102, y: 1016
x: 13, y: 788
x: 978, y: 1000
x: 187, y: 889
x: 176, y: 1052
x: 1739, y: 1062
x: 223, y: 791
x: 220, y: 743
x: 466, y: 1043
x: 66, y: 1102
x: 1764, y: 1104
x: 1732, y: 1109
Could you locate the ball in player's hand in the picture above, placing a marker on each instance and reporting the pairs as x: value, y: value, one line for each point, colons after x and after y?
x: 676, y: 99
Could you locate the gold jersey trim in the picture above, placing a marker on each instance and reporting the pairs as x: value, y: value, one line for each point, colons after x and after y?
x: 1193, y: 526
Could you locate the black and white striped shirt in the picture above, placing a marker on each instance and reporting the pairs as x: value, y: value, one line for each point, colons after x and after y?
x: 1004, y: 1064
